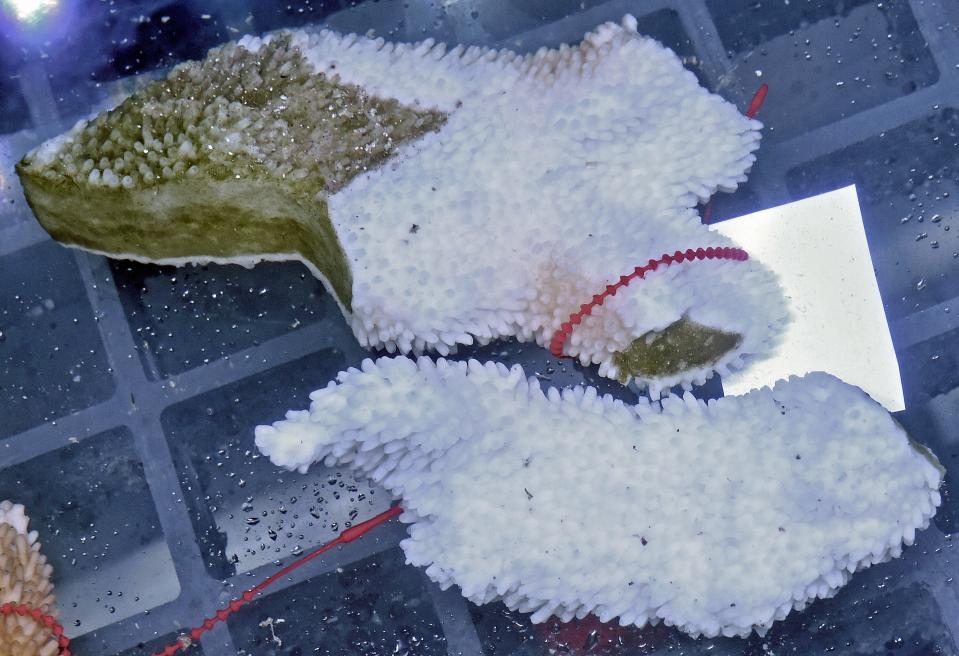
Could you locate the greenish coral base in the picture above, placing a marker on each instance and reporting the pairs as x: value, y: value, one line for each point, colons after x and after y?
x: 230, y: 157
x: 681, y: 346
x: 926, y: 453
x: 199, y: 218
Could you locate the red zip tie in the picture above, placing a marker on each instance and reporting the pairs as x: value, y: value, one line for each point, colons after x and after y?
x: 42, y: 618
x: 708, y: 211
x: 757, y: 102
x: 347, y: 536
x: 754, y: 106
x: 710, y: 253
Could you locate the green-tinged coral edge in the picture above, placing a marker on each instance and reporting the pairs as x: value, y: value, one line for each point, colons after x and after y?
x: 682, y: 346
x: 927, y: 453
x: 197, y: 218
x: 231, y: 157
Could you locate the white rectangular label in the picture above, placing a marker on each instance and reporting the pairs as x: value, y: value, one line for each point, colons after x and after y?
x: 818, y: 248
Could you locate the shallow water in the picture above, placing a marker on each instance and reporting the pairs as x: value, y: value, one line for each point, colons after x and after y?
x: 129, y: 391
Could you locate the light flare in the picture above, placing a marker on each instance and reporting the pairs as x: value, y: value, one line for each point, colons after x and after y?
x: 30, y: 11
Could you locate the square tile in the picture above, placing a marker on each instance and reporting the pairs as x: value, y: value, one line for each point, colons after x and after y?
x: 908, y: 185
x: 99, y: 529
x: 824, y: 60
x: 185, y: 317
x: 376, y: 606
x: 246, y: 511
x: 52, y: 362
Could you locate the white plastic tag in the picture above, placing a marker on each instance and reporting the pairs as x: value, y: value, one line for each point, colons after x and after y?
x: 818, y: 248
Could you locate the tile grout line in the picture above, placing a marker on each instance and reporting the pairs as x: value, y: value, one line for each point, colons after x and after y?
x: 196, y: 585
x: 702, y: 31
x: 930, y: 16
x: 114, y: 411
x: 116, y: 637
x: 149, y: 440
x: 458, y: 627
x: 853, y: 129
x: 38, y: 94
x: 21, y: 235
x: 778, y: 158
x: 947, y: 599
x: 219, y: 642
x: 111, y: 320
x: 249, y: 362
x: 61, y: 432
x: 926, y: 324
x: 178, y: 531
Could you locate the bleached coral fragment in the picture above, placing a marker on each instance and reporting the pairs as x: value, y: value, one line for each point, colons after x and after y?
x: 444, y: 196
x: 717, y: 518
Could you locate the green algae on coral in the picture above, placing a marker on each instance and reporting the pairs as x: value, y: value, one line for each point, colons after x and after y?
x: 228, y: 157
x: 680, y: 347
x: 926, y: 453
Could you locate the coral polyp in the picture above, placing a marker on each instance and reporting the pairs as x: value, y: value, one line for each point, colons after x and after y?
x: 444, y: 196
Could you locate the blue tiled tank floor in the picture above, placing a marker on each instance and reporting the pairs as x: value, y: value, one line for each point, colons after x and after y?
x: 128, y: 391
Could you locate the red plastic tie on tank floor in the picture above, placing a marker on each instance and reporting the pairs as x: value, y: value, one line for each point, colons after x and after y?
x: 757, y: 101
x: 42, y: 618
x: 586, y: 309
x: 347, y: 536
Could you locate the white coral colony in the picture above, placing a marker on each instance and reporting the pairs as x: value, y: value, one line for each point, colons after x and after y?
x: 716, y: 518
x: 445, y: 197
